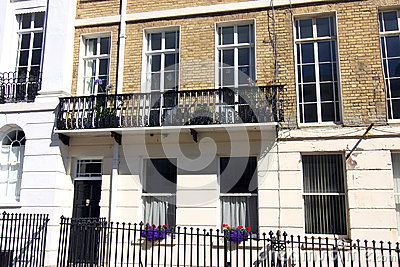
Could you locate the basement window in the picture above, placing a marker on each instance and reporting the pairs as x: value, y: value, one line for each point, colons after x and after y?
x: 324, y: 194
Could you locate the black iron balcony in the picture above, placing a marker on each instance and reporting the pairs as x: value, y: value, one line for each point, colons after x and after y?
x: 172, y: 108
x: 19, y: 87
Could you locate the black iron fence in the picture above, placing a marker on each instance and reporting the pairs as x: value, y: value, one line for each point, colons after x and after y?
x: 172, y: 108
x: 19, y: 86
x: 22, y: 239
x: 94, y: 242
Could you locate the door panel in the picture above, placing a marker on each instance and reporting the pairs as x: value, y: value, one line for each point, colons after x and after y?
x: 87, y: 199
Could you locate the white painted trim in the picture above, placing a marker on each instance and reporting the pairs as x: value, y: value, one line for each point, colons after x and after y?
x: 196, y: 10
x: 30, y: 10
x: 97, y: 21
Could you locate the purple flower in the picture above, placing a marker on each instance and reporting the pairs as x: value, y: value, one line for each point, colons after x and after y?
x: 98, y: 81
x: 236, y: 236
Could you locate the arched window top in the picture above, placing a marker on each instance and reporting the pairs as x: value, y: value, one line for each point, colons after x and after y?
x: 14, y: 138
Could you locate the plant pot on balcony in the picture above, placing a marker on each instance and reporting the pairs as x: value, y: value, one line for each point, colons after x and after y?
x: 107, y: 121
x: 201, y: 116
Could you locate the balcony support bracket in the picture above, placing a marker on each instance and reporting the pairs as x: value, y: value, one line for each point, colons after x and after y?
x: 64, y: 139
x: 117, y: 137
x: 194, y: 134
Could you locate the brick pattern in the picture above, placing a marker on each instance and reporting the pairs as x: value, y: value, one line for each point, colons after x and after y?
x: 79, y: 34
x: 96, y: 8
x: 361, y: 75
x: 152, y: 5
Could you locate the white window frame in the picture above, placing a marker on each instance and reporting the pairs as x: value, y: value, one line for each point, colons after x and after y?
x: 395, y: 192
x: 31, y: 30
x: 326, y: 194
x: 219, y: 210
x: 383, y: 33
x: 143, y: 195
x: 16, y: 197
x: 236, y: 45
x: 83, y: 58
x: 90, y: 177
x: 315, y: 40
x: 146, y: 65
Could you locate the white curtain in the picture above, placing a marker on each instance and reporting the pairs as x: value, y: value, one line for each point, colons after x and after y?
x: 396, y: 177
x: 10, y: 172
x: 159, y: 210
x: 235, y: 210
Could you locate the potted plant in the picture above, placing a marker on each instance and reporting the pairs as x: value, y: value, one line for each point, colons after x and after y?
x: 236, y: 234
x: 201, y: 116
x: 155, y: 233
x: 106, y: 117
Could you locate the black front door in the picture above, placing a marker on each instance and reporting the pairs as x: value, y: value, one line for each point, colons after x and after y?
x: 87, y: 199
x: 86, y: 222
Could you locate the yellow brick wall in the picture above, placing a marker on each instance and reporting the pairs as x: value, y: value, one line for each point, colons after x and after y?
x: 96, y: 8
x: 81, y: 32
x: 197, y: 50
x: 363, y: 94
x: 152, y: 5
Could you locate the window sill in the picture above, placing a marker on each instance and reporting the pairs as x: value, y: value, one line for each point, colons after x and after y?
x: 321, y: 124
x: 10, y: 204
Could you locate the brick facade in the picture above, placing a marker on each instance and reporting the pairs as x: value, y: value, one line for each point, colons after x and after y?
x: 97, y: 8
x: 361, y: 75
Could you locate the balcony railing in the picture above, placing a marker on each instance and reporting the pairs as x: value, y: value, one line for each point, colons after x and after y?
x: 19, y: 87
x: 172, y: 108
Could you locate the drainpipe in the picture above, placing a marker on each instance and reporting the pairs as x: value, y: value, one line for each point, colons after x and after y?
x: 118, y: 88
x: 113, y: 183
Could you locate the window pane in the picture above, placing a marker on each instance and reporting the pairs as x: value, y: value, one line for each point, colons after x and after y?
x: 227, y: 76
x: 310, y: 93
x: 243, y: 34
x: 227, y: 35
x: 323, y: 27
x: 38, y: 39
x: 170, y: 62
x: 325, y: 215
x: 90, y: 68
x: 103, y: 68
x: 170, y: 40
x: 228, y: 57
x: 310, y: 113
x: 160, y: 176
x: 169, y: 80
x: 393, y: 46
x: 104, y: 46
x: 390, y: 21
x: 325, y: 72
x: 89, y: 168
x: 324, y: 51
x: 26, y: 21
x: 36, y: 56
x: 155, y: 41
x: 396, y: 109
x: 394, y: 67
x: 159, y: 210
x: 244, y: 75
x: 328, y: 112
x: 238, y: 175
x: 394, y: 87
x: 327, y: 92
x: 307, y: 53
x: 91, y: 47
x: 323, y: 173
x: 155, y: 81
x: 39, y: 19
x: 155, y: 63
x: 244, y: 56
x: 306, y: 30
x: 23, y: 58
x: 240, y: 211
x: 308, y: 73
x: 25, y: 41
